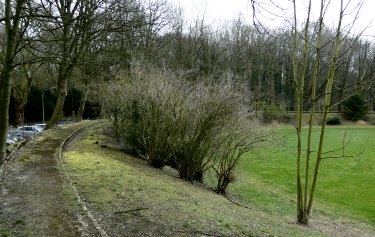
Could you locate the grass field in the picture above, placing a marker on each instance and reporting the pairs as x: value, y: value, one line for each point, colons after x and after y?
x: 346, y: 186
x: 128, y: 197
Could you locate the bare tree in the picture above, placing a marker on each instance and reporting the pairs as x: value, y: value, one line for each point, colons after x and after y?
x: 66, y: 28
x: 10, y: 48
x: 22, y: 81
x: 306, y: 188
x: 308, y: 46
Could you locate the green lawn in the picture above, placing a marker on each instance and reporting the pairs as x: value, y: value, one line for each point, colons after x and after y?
x: 346, y: 186
x: 130, y: 198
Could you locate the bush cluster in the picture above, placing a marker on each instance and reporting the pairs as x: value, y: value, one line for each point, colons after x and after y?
x: 273, y: 112
x: 355, y: 108
x: 192, y: 126
x: 333, y: 120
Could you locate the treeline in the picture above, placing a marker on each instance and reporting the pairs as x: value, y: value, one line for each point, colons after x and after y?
x: 108, y: 39
x: 263, y: 61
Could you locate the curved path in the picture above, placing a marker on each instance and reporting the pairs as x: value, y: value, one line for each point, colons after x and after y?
x: 35, y: 197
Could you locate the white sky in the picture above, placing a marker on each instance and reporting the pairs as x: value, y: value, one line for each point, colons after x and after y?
x: 214, y: 10
x: 218, y: 11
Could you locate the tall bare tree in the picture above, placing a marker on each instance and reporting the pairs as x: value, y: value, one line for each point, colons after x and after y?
x: 66, y: 28
x: 316, y: 58
x: 306, y: 181
x: 22, y: 81
x: 9, y: 49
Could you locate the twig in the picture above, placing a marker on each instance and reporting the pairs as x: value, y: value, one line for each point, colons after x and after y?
x: 238, y: 204
x: 132, y: 210
x: 199, y: 232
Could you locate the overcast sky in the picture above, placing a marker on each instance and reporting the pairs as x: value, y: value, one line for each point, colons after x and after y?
x: 217, y: 11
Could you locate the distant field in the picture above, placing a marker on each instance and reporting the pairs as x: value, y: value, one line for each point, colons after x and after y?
x: 346, y: 186
x: 317, y: 118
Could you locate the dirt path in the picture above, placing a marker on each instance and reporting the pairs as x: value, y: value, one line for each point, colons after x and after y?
x: 35, y: 199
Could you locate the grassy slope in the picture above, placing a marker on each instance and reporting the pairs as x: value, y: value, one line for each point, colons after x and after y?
x: 130, y: 198
x: 347, y: 185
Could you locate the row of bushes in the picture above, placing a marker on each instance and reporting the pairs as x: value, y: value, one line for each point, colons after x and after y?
x: 191, y: 126
x: 270, y: 112
x: 354, y: 109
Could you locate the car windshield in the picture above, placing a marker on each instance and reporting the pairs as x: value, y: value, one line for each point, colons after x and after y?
x: 27, y: 129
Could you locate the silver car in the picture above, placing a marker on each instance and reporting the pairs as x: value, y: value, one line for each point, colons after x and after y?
x: 40, y: 127
x: 27, y: 131
x: 10, y: 140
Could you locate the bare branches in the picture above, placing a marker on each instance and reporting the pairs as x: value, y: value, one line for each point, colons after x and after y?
x: 192, y: 126
x: 265, y: 9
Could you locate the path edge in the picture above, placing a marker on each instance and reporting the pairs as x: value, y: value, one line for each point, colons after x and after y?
x: 61, y: 164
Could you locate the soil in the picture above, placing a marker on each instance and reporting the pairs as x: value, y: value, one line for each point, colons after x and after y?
x: 35, y: 198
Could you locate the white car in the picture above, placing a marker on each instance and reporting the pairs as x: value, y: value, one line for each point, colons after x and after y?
x: 40, y: 127
x: 10, y: 140
x: 27, y: 131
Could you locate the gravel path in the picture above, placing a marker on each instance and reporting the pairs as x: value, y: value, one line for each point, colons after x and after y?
x: 35, y: 198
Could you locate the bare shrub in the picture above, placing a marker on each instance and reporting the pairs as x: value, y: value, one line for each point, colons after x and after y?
x: 197, y: 127
x: 192, y: 125
x: 120, y: 107
x: 139, y: 110
x: 241, y: 136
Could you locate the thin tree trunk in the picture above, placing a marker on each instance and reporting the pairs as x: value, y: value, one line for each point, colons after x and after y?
x: 300, y: 87
x: 312, y: 111
x: 82, y: 104
x: 304, y: 219
x: 327, y: 102
x: 4, y: 109
x: 298, y: 116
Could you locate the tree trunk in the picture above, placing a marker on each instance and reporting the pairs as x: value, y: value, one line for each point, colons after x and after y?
x: 82, y: 104
x: 12, y: 23
x: 4, y: 109
x: 62, y: 91
x: 19, y: 119
x: 299, y: 81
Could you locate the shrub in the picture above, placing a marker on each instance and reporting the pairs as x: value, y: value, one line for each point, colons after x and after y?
x: 272, y: 111
x: 355, y: 108
x: 243, y: 135
x: 140, y: 111
x: 121, y: 108
x: 207, y: 111
x: 192, y: 125
x: 333, y: 120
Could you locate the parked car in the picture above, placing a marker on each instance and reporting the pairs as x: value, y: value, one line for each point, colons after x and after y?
x: 16, y: 137
x: 40, y: 127
x: 27, y: 131
x: 63, y: 123
x: 10, y: 140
